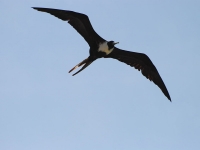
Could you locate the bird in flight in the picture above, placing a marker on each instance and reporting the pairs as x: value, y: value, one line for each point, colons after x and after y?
x: 100, y: 48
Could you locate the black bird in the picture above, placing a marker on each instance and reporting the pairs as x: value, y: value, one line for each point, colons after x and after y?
x: 99, y: 47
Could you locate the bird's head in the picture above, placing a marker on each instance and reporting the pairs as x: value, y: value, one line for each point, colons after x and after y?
x: 111, y: 44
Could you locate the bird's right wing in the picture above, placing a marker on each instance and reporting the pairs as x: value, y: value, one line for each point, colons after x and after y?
x: 141, y: 62
x: 79, y: 21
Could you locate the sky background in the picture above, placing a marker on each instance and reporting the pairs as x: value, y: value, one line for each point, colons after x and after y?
x: 108, y: 106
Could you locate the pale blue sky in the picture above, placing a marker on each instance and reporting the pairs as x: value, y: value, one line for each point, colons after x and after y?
x: 108, y: 106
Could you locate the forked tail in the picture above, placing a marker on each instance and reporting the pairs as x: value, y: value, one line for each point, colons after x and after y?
x: 85, y: 62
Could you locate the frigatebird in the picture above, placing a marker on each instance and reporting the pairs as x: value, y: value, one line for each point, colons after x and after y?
x: 100, y: 48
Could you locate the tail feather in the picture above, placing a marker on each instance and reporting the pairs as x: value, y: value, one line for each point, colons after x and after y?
x: 86, y: 62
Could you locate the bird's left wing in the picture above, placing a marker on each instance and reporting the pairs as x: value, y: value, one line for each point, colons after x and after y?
x: 79, y: 21
x: 141, y: 62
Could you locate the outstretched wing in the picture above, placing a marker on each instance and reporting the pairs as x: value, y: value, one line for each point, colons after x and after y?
x: 141, y: 62
x: 79, y: 21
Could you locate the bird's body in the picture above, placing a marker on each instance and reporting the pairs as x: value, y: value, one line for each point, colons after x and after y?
x: 99, y: 47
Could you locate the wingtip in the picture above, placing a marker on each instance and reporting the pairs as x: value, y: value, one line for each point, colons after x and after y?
x: 166, y: 93
x: 169, y: 98
x: 36, y: 8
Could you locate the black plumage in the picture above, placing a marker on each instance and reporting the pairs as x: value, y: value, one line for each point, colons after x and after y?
x: 99, y: 47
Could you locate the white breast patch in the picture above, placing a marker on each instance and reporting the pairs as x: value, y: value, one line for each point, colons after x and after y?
x: 103, y: 47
